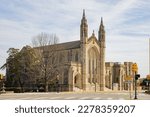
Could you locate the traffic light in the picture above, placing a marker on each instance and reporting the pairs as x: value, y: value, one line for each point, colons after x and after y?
x: 137, y: 76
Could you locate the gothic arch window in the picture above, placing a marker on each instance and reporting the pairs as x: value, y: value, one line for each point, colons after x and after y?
x: 77, y: 81
x: 93, y: 67
x: 92, y: 64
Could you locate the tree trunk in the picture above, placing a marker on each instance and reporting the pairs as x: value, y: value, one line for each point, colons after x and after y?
x: 46, y: 82
x: 21, y: 86
x: 46, y: 87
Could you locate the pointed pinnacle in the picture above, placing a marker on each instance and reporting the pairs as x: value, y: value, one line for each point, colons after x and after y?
x: 93, y: 34
x: 102, y: 20
x: 83, y: 12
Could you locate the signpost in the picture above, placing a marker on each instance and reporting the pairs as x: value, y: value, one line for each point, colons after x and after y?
x: 128, y: 80
x: 136, y: 76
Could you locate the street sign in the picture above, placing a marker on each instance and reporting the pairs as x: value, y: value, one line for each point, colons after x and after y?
x: 128, y: 78
x: 134, y: 67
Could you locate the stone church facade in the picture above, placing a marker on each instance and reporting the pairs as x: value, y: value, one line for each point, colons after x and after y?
x: 82, y: 63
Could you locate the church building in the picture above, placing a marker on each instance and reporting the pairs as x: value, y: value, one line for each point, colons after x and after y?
x: 81, y: 63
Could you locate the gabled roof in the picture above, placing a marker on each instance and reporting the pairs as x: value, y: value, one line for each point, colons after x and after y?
x: 93, y: 38
x: 65, y: 46
x: 68, y: 45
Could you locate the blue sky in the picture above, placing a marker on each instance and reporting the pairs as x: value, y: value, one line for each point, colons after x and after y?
x: 127, y: 24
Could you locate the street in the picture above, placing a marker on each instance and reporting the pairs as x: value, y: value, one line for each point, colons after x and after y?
x: 74, y: 96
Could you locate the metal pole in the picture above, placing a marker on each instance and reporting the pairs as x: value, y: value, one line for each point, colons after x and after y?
x: 135, y: 87
x: 135, y: 90
x: 130, y: 89
x: 149, y: 85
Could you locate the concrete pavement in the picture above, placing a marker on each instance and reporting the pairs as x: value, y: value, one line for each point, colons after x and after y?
x: 74, y: 96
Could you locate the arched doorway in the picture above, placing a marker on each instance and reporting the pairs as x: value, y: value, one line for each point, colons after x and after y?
x: 77, y: 81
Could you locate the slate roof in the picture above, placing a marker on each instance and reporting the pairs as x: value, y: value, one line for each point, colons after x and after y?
x: 64, y: 46
x: 69, y: 45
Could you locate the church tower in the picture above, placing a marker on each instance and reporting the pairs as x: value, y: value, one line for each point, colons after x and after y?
x: 101, y: 32
x: 83, y: 29
x: 83, y: 39
x: 101, y: 38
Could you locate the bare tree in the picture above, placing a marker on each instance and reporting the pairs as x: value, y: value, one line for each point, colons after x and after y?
x: 45, y: 46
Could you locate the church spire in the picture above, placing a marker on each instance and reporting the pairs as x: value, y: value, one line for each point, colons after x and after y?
x: 93, y: 34
x: 101, y: 28
x: 83, y: 28
x: 83, y: 12
x: 101, y: 32
x: 101, y: 21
